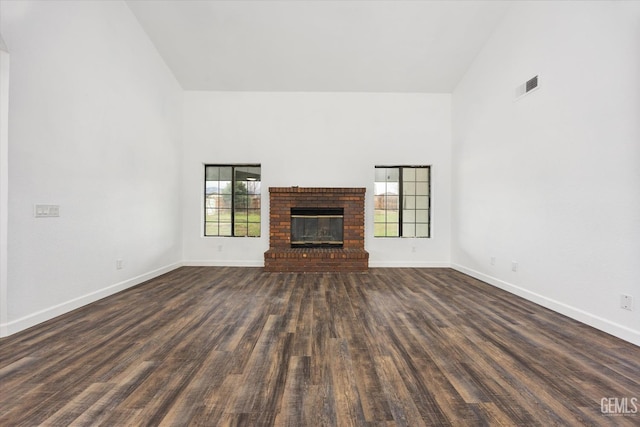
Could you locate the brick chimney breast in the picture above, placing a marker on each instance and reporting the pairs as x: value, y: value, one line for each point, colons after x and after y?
x: 282, y: 257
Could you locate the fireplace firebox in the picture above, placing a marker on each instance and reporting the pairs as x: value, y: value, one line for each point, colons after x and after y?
x: 317, y: 227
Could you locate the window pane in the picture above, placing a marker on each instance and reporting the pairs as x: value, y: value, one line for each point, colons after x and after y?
x: 379, y: 188
x: 225, y: 173
x: 422, y: 230
x: 253, y: 215
x: 408, y: 216
x: 422, y: 174
x: 255, y: 170
x: 225, y: 229
x: 212, y: 173
x: 240, y: 215
x: 253, y: 187
x: 409, y: 188
x: 422, y: 216
x: 253, y: 202
x: 392, y: 174
x: 241, y: 173
x: 422, y: 188
x: 392, y: 215
x: 410, y: 202
x: 211, y: 229
x: 225, y: 187
x: 391, y: 202
x: 211, y: 215
x: 212, y: 201
x: 392, y: 230
x: 422, y: 202
x: 393, y: 188
x: 241, y: 201
x: 379, y: 215
x: 224, y: 215
x: 380, y: 175
x: 408, y: 174
x: 253, y: 229
x: 240, y: 229
x: 379, y: 229
x: 378, y: 202
x: 408, y: 229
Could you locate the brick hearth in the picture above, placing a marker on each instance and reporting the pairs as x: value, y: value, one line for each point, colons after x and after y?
x: 282, y: 257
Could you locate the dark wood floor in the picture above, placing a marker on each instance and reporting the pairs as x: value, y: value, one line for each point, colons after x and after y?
x: 391, y: 347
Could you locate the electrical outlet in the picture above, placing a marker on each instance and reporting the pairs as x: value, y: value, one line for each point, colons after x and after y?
x: 119, y: 264
x: 46, y: 211
x: 514, y: 266
x: 626, y: 302
x: 493, y: 260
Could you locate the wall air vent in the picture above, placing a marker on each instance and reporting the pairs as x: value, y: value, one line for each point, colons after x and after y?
x: 529, y: 86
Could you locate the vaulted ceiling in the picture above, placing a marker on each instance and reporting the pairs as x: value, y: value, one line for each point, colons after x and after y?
x: 299, y: 45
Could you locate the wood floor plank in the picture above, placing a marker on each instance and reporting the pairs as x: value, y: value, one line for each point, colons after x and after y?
x: 349, y: 410
x: 403, y: 407
x: 109, y: 403
x: 292, y: 411
x: 265, y: 372
x: 79, y: 405
x: 225, y: 346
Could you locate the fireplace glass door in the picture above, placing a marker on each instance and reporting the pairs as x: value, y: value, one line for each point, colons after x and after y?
x: 317, y: 227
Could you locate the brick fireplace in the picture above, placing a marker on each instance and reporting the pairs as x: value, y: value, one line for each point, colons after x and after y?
x: 284, y: 202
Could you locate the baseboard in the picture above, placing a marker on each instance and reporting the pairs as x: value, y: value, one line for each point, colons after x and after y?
x: 374, y: 264
x: 223, y: 263
x: 582, y: 316
x: 33, y: 319
x: 407, y: 264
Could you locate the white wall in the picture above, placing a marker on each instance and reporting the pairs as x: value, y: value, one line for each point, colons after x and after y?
x: 94, y: 126
x: 4, y: 179
x: 552, y: 181
x: 316, y: 140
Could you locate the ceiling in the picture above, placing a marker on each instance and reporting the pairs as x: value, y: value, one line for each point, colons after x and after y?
x: 319, y: 46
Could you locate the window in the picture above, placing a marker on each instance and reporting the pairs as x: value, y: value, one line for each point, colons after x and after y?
x: 232, y: 200
x: 402, y: 201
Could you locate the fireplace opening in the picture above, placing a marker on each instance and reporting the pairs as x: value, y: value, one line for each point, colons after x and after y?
x: 317, y: 227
